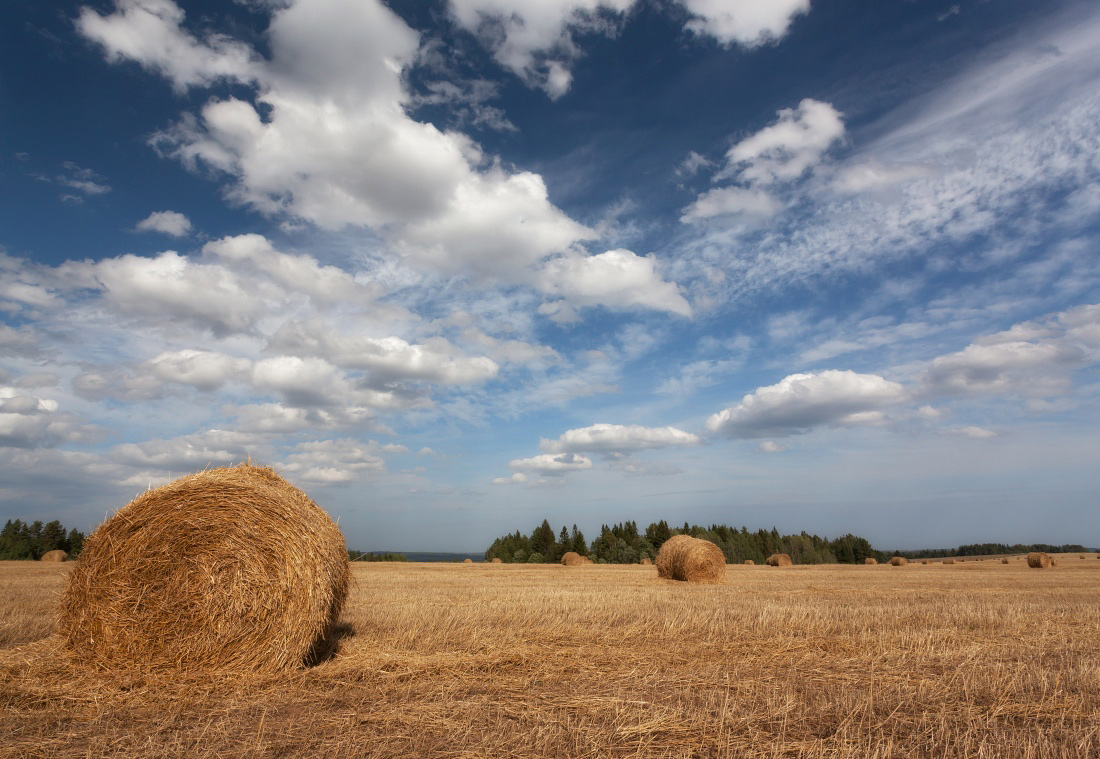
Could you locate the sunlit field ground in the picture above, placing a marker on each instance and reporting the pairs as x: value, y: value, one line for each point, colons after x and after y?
x: 979, y: 659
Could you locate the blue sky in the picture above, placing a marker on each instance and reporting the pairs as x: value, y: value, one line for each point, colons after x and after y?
x: 453, y: 267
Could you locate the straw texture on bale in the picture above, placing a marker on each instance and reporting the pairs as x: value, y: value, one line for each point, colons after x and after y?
x: 496, y: 560
x: 55, y: 555
x: 750, y: 562
x: 571, y: 559
x: 226, y: 569
x: 1038, y: 560
x: 779, y: 560
x: 689, y: 559
x: 870, y: 560
x: 899, y: 561
x: 648, y: 562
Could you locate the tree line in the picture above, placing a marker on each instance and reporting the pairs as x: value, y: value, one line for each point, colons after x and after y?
x: 29, y: 540
x: 624, y: 543
x: 988, y: 549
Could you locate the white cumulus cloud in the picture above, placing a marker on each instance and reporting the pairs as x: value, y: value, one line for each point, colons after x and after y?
x: 618, y: 438
x: 171, y: 223
x: 551, y: 463
x: 800, y: 402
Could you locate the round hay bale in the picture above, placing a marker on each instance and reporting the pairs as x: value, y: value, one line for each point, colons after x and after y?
x: 496, y: 560
x: 467, y: 561
x: 899, y: 561
x: 924, y: 561
x: 1038, y: 560
x: 689, y: 559
x: 648, y: 562
x: 1004, y: 560
x: 55, y: 555
x: 571, y: 559
x: 226, y: 569
x: 779, y: 560
x: 948, y: 561
x: 870, y: 560
x: 750, y: 562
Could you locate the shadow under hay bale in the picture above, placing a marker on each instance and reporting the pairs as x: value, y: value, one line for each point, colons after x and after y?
x: 689, y: 559
x: 226, y: 569
x: 899, y: 561
x: 55, y: 555
x: 1038, y: 560
x: 779, y: 560
x: 571, y: 559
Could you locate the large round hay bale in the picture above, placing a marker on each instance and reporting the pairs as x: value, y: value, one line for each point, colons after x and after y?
x: 948, y: 561
x: 689, y: 559
x: 571, y: 559
x: 496, y: 560
x: 1038, y: 560
x: 55, y: 555
x: 226, y: 569
x: 899, y: 561
x: 870, y: 560
x: 648, y: 562
x: 779, y: 560
x: 1004, y: 560
x: 750, y: 563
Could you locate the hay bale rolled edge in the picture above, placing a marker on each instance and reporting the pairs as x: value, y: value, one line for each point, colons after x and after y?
x: 571, y: 559
x: 231, y: 568
x: 1038, y: 560
x: 496, y: 560
x: 689, y: 559
x: 870, y: 560
x: 750, y: 563
x: 648, y: 562
x: 1004, y: 560
x: 779, y: 560
x: 55, y: 555
x: 899, y: 561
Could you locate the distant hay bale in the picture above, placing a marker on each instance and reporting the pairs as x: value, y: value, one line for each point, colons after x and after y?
x: 571, y: 559
x: 496, y: 560
x: 924, y: 561
x: 1038, y: 560
x: 58, y: 555
x: 870, y: 560
x: 899, y: 561
x: 689, y: 559
x: 779, y: 560
x: 750, y: 562
x: 1004, y: 560
x: 226, y: 569
x: 948, y: 561
x: 648, y: 562
x: 467, y: 561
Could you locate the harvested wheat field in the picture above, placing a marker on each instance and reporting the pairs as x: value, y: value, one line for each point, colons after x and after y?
x: 441, y: 660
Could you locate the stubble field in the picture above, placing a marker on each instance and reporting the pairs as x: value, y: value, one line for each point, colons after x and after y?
x: 979, y: 659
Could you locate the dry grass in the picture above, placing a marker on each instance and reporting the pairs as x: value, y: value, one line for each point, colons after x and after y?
x: 539, y: 661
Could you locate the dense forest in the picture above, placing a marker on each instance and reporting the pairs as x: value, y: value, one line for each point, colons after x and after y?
x: 23, y: 540
x: 625, y: 544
